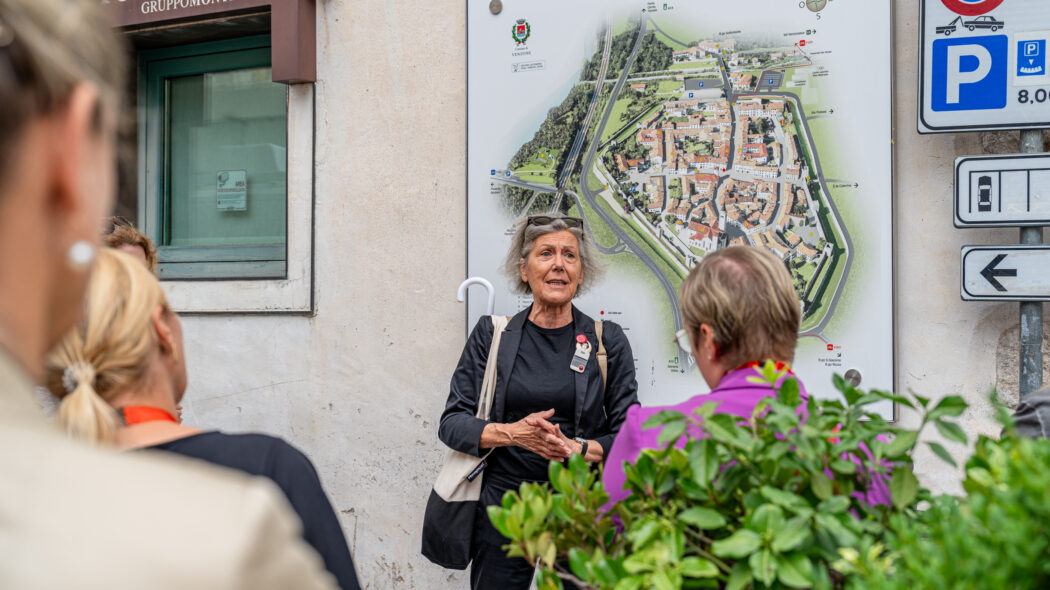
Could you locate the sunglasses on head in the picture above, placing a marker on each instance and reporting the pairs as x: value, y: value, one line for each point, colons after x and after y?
x: 574, y: 222
x: 112, y: 223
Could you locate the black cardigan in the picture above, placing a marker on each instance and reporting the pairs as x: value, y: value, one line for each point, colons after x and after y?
x: 292, y: 471
x: 598, y: 417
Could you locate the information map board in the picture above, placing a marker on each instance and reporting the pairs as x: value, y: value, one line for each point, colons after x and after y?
x: 679, y: 128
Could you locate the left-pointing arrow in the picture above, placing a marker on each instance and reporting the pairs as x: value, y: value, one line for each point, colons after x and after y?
x: 990, y: 272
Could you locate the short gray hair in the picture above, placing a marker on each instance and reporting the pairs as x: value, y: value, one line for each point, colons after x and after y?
x: 525, y: 236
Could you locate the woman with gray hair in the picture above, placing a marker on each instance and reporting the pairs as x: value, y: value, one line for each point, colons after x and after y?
x: 552, y: 398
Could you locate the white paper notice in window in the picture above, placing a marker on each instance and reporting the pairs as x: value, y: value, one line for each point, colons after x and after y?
x: 231, y: 190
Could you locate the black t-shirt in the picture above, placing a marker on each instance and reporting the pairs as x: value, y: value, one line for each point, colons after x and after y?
x: 259, y: 454
x: 541, y: 380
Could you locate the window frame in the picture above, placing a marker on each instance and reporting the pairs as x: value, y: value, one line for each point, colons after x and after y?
x: 294, y: 294
x: 196, y: 263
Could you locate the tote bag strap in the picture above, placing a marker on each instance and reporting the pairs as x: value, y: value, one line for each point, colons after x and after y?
x: 603, y: 358
x: 488, y: 382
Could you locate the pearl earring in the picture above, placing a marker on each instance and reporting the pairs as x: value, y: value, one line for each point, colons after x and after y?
x: 81, y: 255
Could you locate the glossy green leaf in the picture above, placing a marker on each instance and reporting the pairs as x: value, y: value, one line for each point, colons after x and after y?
x: 902, y: 443
x: 662, y: 417
x: 702, y: 518
x: 821, y: 486
x: 941, y: 452
x: 795, y: 570
x: 832, y: 525
x: 951, y: 431
x: 637, y: 563
x: 789, y: 391
x: 740, y: 544
x: 783, y: 498
x: 703, y: 460
x: 950, y: 405
x: 900, y: 399
x: 766, y: 518
x: 706, y: 410
x: 629, y: 583
x: 695, y: 567
x: 792, y: 535
x: 763, y: 566
x: 739, y: 577
x: 848, y: 391
x: 578, y: 561
x: 670, y: 433
x: 904, y: 487
x: 844, y: 467
x: 662, y: 581
x: 643, y: 534
x: 723, y: 428
x: 833, y: 505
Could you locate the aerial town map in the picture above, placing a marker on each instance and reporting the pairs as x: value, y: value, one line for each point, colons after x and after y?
x: 683, y: 129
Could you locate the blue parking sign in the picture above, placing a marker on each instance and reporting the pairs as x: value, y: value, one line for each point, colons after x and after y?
x: 970, y: 73
x: 1031, y: 57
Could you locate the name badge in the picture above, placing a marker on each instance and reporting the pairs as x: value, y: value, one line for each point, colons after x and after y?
x: 583, y: 354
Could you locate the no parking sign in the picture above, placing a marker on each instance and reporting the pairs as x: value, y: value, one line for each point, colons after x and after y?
x: 984, y: 65
x: 972, y: 7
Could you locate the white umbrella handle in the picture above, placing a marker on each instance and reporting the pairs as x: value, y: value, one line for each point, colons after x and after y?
x: 462, y: 293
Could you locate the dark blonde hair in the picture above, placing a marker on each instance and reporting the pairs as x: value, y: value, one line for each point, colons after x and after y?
x: 110, y: 349
x: 745, y: 295
x: 47, y: 48
x: 119, y: 232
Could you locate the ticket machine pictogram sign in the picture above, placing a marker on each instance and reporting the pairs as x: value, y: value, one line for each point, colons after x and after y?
x: 1002, y: 191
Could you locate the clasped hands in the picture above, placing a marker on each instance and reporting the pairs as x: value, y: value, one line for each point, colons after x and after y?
x: 536, y: 434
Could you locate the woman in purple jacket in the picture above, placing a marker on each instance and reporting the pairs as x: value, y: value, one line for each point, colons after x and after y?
x: 740, y: 309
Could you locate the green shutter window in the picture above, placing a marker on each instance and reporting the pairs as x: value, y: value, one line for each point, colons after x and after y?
x: 213, y: 177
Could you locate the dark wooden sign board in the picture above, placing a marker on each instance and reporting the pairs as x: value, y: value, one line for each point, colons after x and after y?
x: 293, y: 22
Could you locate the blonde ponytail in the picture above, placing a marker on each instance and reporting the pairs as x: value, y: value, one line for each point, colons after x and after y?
x: 109, y: 351
x: 83, y: 413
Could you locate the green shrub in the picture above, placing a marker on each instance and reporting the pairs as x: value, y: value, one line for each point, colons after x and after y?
x: 771, y: 501
x: 994, y: 537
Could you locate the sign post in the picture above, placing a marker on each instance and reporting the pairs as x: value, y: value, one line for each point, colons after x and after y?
x: 1031, y: 370
x: 985, y: 67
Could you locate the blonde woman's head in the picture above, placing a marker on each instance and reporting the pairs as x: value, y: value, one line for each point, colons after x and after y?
x: 127, y: 341
x: 744, y: 296
x: 62, y: 71
x: 47, y: 49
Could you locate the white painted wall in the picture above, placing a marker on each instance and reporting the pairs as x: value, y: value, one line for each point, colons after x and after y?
x: 359, y: 387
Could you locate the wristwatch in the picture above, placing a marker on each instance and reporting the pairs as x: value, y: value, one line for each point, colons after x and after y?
x: 583, y: 442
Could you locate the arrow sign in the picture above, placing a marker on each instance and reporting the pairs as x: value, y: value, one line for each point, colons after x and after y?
x: 990, y: 272
x: 1006, y: 273
x: 1002, y: 191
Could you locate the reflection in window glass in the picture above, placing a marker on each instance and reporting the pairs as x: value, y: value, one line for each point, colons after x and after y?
x: 226, y: 154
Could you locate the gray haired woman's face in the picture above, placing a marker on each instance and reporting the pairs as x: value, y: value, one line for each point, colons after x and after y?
x: 553, y: 269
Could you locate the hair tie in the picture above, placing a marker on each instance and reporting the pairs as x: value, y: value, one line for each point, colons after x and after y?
x: 77, y: 373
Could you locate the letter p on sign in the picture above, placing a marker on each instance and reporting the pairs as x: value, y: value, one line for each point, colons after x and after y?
x: 970, y: 74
